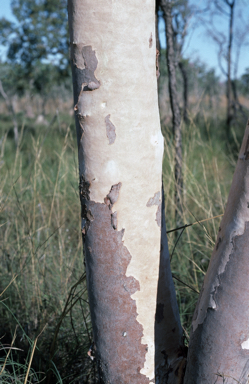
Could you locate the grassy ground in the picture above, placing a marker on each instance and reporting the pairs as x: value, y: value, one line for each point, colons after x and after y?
x: 208, y: 168
x: 41, y: 250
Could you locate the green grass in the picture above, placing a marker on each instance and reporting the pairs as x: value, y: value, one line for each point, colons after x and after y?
x: 40, y: 243
x: 41, y: 247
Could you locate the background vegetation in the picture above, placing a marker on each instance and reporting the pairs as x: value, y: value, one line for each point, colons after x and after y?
x: 45, y: 329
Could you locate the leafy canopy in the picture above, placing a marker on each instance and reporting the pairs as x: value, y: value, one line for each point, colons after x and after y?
x: 37, y: 45
x: 40, y: 32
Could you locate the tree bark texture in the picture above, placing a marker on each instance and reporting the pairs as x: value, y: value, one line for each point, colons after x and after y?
x: 120, y: 149
x: 219, y: 343
x: 175, y: 107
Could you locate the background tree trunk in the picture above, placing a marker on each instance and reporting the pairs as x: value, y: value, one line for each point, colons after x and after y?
x: 9, y: 104
x: 219, y: 344
x: 229, y: 52
x: 120, y: 164
x: 170, y: 353
x: 184, y: 73
x: 171, y: 64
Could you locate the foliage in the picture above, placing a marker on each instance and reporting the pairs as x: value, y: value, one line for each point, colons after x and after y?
x: 244, y: 82
x: 40, y: 32
x: 37, y: 47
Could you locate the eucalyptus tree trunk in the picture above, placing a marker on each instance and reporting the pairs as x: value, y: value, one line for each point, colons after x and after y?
x: 120, y: 149
x: 166, y: 7
x: 219, y: 343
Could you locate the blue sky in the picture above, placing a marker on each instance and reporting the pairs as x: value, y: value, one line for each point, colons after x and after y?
x: 198, y: 44
x: 5, y: 9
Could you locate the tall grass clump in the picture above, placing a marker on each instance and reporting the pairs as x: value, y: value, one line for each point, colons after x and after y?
x: 41, y: 251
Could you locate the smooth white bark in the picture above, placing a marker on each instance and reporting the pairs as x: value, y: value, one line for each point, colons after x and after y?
x: 119, y: 134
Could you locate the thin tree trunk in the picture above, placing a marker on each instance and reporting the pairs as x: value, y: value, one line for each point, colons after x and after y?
x: 184, y: 73
x: 158, y: 48
x: 237, y: 104
x: 120, y: 148
x: 11, y: 109
x: 219, y: 343
x: 166, y: 8
x: 170, y: 354
x: 229, y: 52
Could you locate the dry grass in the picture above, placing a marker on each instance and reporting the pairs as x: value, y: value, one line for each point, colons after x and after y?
x: 40, y: 242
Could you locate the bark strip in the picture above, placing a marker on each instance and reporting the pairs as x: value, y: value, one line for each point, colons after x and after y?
x: 117, y: 333
x: 219, y: 348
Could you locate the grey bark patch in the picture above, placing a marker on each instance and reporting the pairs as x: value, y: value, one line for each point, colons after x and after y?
x: 85, y: 63
x: 155, y: 200
x: 92, y: 86
x: 113, y: 311
x: 112, y: 196
x: 84, y: 57
x: 244, y: 375
x: 110, y: 130
x: 90, y: 59
x: 159, y: 215
x: 76, y: 56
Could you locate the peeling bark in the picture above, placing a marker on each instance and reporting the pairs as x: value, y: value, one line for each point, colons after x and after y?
x: 117, y: 333
x: 110, y: 130
x: 120, y: 149
x: 155, y: 200
x: 218, y: 349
